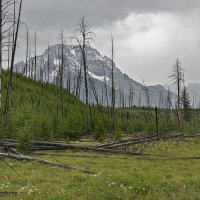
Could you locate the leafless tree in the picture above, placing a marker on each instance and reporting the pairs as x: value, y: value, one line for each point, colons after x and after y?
x: 48, y: 63
x: 105, y: 86
x: 178, y: 78
x: 27, y: 49
x: 14, y: 46
x: 35, y: 57
x: 113, y: 88
x: 7, y: 22
x: 83, y: 36
x: 61, y: 69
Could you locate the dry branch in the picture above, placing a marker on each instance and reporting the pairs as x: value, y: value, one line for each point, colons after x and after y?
x: 28, y: 158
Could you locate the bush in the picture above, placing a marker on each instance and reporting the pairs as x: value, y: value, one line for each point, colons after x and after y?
x: 139, y: 126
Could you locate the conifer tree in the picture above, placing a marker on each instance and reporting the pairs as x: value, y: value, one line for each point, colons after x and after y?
x: 185, y: 101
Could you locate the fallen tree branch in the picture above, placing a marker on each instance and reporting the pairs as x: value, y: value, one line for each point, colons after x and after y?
x: 28, y: 158
x: 71, y: 155
x: 170, y: 158
x: 13, y: 150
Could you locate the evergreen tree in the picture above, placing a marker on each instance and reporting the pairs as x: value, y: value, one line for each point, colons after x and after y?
x: 185, y: 101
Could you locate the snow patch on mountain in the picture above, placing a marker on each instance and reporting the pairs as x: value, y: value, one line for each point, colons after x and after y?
x: 101, y: 78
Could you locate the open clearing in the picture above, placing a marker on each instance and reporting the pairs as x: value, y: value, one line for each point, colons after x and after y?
x: 117, y: 176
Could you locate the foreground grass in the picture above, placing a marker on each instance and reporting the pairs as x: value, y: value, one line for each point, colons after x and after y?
x: 118, y: 177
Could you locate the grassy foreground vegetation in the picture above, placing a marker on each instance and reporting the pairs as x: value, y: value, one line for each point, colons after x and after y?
x: 118, y: 177
x: 35, y: 114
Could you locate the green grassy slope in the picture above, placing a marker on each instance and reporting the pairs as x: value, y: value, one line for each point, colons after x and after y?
x: 36, y: 114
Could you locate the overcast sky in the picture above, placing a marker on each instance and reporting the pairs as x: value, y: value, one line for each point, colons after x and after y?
x: 149, y: 34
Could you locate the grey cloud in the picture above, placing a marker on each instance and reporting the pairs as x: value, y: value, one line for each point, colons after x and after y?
x: 47, y: 17
x: 65, y: 13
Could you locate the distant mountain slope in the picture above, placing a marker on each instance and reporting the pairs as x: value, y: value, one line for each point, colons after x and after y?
x: 128, y: 92
x: 194, y: 91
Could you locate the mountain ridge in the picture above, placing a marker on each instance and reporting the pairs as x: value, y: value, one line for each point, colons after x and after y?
x: 128, y: 91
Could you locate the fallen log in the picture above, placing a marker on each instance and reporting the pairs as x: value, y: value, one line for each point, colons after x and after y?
x: 8, y: 193
x: 7, y: 148
x: 143, y: 140
x: 70, y: 155
x: 170, y: 158
x: 28, y: 158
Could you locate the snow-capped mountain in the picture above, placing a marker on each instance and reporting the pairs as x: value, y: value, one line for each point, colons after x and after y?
x: 127, y: 91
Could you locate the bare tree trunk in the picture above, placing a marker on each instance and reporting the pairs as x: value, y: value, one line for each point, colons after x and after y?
x: 83, y: 37
x: 27, y: 48
x: 78, y: 85
x: 29, y: 62
x: 48, y: 63
x: 113, y: 91
x: 10, y: 81
x: 1, y: 35
x: 35, y: 78
x: 105, y: 86
x: 61, y: 73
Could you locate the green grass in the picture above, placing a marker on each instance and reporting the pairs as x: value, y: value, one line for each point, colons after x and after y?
x: 118, y: 177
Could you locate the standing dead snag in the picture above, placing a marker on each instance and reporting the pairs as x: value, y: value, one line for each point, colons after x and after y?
x: 1, y: 38
x: 48, y: 63
x: 177, y: 78
x: 61, y: 71
x: 27, y: 49
x: 10, y: 81
x: 6, y: 24
x: 113, y: 90
x: 83, y: 36
x: 35, y: 58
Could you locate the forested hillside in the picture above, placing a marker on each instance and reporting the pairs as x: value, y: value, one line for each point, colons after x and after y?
x: 37, y: 112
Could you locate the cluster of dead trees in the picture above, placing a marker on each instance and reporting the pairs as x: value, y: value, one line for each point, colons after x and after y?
x: 10, y: 13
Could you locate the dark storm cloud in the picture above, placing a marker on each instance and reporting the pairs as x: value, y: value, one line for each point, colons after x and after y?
x: 65, y: 13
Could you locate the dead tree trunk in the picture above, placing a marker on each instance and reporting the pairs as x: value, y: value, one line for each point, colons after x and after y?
x: 1, y: 38
x: 82, y: 38
x: 27, y: 49
x: 177, y: 78
x: 35, y: 58
x: 10, y: 81
x: 113, y: 91
x: 48, y: 63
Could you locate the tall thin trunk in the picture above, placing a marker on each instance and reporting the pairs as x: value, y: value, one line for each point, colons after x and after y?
x: 35, y: 78
x: 1, y: 56
x: 48, y: 63
x: 61, y: 73
x: 10, y: 81
x: 27, y: 48
x: 113, y: 90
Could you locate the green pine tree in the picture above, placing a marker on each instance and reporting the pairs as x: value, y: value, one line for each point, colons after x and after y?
x: 185, y: 101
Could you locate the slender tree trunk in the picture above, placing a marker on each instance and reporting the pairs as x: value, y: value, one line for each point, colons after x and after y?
x: 113, y: 91
x: 10, y: 81
x: 61, y: 73
x: 27, y: 48
x: 48, y: 64
x: 35, y: 75
x: 1, y: 35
